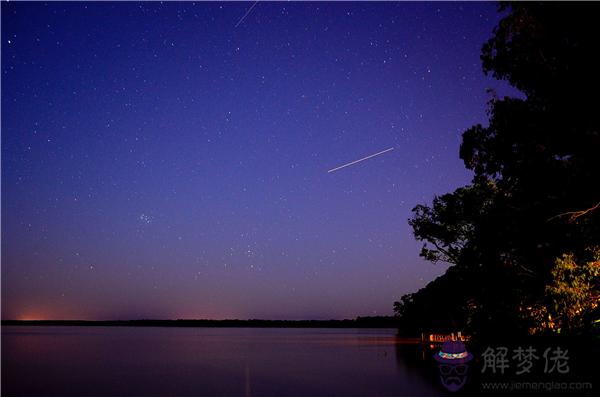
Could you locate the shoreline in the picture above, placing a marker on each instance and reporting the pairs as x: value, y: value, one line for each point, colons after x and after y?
x: 360, y: 322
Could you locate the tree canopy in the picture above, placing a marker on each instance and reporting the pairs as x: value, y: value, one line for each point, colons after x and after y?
x: 534, y: 202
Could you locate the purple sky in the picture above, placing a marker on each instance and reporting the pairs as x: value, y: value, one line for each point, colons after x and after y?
x: 160, y: 162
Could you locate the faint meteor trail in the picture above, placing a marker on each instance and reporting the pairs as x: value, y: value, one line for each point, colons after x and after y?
x: 359, y: 160
x: 246, y: 14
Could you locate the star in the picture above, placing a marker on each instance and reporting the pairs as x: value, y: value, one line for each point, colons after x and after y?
x: 146, y: 219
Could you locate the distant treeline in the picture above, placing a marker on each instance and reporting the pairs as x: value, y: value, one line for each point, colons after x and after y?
x: 359, y: 322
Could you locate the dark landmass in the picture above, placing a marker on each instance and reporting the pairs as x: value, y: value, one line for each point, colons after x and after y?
x: 523, y: 238
x: 359, y: 322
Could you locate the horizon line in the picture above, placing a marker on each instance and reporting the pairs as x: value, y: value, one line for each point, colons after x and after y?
x: 196, y: 319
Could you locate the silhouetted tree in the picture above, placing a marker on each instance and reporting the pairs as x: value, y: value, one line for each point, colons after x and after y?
x: 535, y: 193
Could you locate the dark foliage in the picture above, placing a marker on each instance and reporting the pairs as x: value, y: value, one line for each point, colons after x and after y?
x: 536, y: 180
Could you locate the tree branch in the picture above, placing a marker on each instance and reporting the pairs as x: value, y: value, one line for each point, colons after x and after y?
x: 449, y: 257
x: 573, y: 215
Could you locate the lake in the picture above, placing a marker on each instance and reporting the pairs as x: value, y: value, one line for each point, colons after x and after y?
x: 260, y: 362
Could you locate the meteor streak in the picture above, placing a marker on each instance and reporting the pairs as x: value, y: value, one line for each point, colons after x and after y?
x: 359, y: 160
x: 246, y: 14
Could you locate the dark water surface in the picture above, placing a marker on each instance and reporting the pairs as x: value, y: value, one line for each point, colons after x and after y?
x: 259, y: 362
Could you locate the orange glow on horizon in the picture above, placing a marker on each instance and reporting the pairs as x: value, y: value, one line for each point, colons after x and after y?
x: 32, y: 317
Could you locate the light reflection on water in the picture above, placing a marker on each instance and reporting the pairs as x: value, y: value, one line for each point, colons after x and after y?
x: 128, y: 361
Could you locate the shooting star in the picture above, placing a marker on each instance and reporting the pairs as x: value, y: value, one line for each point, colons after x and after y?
x: 246, y: 14
x: 359, y: 160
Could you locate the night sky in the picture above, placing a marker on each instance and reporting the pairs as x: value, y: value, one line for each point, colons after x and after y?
x: 159, y: 161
